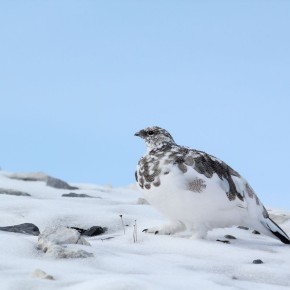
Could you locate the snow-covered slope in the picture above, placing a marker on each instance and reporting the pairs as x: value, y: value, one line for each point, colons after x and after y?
x: 153, y: 262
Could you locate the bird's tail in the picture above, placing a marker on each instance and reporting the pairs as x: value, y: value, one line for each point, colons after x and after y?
x: 275, y: 230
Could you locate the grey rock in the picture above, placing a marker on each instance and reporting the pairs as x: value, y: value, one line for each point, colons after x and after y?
x: 230, y: 237
x: 57, y: 183
x: 38, y: 273
x: 243, y: 228
x: 29, y: 176
x: 91, y: 232
x: 224, y: 241
x: 54, y: 241
x: 258, y: 261
x: 60, y: 236
x: 13, y: 192
x: 26, y: 228
x: 94, y: 231
x: 72, y: 194
x: 40, y: 176
x: 256, y: 232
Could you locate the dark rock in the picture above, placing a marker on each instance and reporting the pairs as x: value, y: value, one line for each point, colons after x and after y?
x: 27, y: 228
x: 230, y: 237
x: 95, y: 231
x: 13, y: 192
x: 243, y: 228
x: 91, y: 232
x: 72, y: 194
x: 224, y: 241
x: 57, y: 183
x: 255, y: 232
x: 258, y: 261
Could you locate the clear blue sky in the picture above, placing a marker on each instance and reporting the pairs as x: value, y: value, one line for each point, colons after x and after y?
x: 79, y: 78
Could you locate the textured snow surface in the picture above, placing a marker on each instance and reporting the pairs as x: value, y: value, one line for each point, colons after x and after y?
x: 154, y: 262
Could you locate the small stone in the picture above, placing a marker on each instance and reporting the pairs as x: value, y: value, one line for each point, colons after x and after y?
x: 255, y: 232
x: 224, y: 241
x: 26, y: 228
x: 72, y: 194
x: 243, y: 228
x: 94, y: 231
x: 41, y: 275
x: 230, y: 237
x: 258, y: 261
x: 57, y: 183
x: 91, y: 232
x: 13, y: 192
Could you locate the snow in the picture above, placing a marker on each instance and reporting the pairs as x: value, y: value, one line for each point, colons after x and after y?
x: 153, y: 262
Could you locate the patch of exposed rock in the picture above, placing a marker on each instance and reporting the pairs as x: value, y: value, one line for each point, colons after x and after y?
x: 13, y: 192
x: 54, y: 242
x: 72, y: 194
x: 40, y: 176
x: 38, y: 273
x: 26, y: 228
x: 91, y: 232
x: 57, y: 183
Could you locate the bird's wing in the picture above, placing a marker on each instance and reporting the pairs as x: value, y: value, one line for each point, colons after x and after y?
x: 209, y: 165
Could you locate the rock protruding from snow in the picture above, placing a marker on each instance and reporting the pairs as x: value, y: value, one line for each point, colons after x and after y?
x: 230, y: 237
x: 91, y: 232
x: 57, y: 183
x: 26, y: 228
x: 53, y: 241
x: 13, y: 192
x: 258, y: 261
x: 243, y: 228
x: 40, y: 176
x: 41, y: 275
x: 94, y: 231
x: 72, y: 194
x: 60, y: 236
x: 28, y: 176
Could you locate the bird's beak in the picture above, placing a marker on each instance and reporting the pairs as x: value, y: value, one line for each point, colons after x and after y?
x: 140, y: 134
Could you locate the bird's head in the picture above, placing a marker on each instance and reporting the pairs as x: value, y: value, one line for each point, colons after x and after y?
x: 155, y: 137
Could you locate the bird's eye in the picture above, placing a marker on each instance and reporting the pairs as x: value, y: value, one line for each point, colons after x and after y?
x: 150, y: 133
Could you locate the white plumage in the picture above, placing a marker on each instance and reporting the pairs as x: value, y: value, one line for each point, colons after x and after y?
x: 196, y: 190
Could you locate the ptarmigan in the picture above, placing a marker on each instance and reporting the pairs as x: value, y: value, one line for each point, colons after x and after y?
x: 197, y: 191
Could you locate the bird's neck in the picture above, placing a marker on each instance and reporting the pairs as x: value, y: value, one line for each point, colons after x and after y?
x: 159, y: 146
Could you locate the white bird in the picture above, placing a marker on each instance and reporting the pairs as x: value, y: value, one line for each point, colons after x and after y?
x: 197, y: 191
